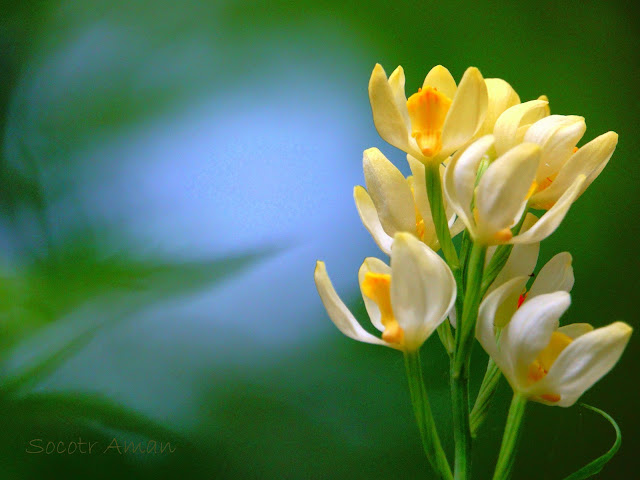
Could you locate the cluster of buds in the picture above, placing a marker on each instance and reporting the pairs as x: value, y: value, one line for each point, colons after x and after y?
x: 480, y: 161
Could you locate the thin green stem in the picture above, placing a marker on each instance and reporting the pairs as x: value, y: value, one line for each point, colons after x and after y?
x: 461, y: 432
x: 510, y: 438
x: 424, y: 417
x: 485, y: 396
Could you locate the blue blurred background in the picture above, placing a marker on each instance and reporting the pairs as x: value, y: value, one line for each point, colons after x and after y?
x: 169, y: 174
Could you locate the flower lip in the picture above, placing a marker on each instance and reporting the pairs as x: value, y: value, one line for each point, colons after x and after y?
x: 428, y: 110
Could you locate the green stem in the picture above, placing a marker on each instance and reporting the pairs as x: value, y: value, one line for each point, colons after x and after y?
x: 507, y: 455
x: 461, y: 432
x: 424, y: 417
x: 488, y: 389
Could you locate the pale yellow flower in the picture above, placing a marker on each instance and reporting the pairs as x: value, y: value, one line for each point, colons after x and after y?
x: 435, y: 121
x: 547, y: 363
x: 392, y: 203
x: 406, y: 301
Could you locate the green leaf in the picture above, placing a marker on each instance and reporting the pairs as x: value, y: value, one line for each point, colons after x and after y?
x: 594, y: 467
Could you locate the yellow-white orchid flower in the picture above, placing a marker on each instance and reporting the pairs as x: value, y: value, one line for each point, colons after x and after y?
x: 512, y: 125
x: 393, y: 203
x: 547, y: 363
x: 406, y: 302
x: 562, y: 162
x: 435, y: 121
x: 500, y: 97
x: 491, y: 209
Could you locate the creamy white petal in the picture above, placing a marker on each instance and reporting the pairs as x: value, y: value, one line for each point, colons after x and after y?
x: 585, y: 361
x: 500, y: 97
x: 589, y: 160
x: 372, y: 265
x: 420, y: 188
x: 440, y: 78
x: 507, y: 129
x: 460, y: 178
x: 390, y: 193
x: 575, y: 330
x: 503, y: 188
x: 486, y: 331
x: 553, y: 217
x: 338, y: 311
x: 467, y: 112
x: 387, y: 117
x: 370, y: 220
x: 556, y: 275
x: 503, y: 301
x: 423, y: 289
x: 396, y: 82
x: 529, y: 331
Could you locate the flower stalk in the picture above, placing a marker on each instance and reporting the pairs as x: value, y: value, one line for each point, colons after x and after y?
x: 424, y: 416
x: 506, y: 459
x: 485, y: 396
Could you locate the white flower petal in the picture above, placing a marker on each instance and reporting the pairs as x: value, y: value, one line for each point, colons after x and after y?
x: 440, y: 78
x: 552, y: 218
x: 529, y: 332
x: 338, y: 312
x: 370, y: 220
x: 585, y: 361
x: 372, y: 265
x: 501, y: 96
x: 507, y: 129
x: 460, y: 178
x: 467, y: 112
x: 556, y: 275
x: 423, y: 289
x: 502, y: 303
x: 575, y: 330
x: 390, y: 193
x: 503, y: 189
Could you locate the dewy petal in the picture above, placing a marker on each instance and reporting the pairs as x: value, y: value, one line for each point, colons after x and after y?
x: 372, y: 265
x: 589, y: 160
x: 423, y: 289
x: 338, y: 312
x: 585, y: 361
x: 556, y: 275
x: 507, y: 128
x: 503, y: 189
x: 522, y: 260
x: 552, y: 218
x: 529, y: 332
x: 440, y: 78
x: 370, y: 220
x: 575, y: 330
x: 390, y: 193
x: 460, y: 178
x: 501, y: 96
x: 387, y: 115
x: 467, y: 112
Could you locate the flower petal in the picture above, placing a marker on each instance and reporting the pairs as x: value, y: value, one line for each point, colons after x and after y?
x: 553, y: 217
x: 460, y: 178
x: 467, y: 112
x: 503, y: 301
x: 585, y: 361
x: 556, y: 275
x: 423, y: 289
x: 503, y: 189
x: 501, y: 96
x: 372, y: 265
x: 338, y: 312
x: 396, y: 82
x: 370, y: 220
x: 420, y: 188
x: 440, y: 78
x: 575, y: 330
x: 507, y: 128
x: 529, y: 332
x: 390, y: 193
x: 387, y: 115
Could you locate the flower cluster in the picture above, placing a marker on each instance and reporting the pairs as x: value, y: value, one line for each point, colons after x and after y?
x: 480, y: 160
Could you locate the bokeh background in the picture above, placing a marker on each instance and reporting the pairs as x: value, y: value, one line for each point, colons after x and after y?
x: 170, y: 172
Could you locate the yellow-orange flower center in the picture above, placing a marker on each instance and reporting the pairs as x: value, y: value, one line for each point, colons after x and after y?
x: 377, y: 287
x: 540, y: 367
x: 427, y: 110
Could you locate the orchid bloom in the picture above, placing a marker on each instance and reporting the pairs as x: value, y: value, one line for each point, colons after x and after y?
x: 406, y: 301
x: 392, y: 203
x: 490, y: 209
x: 435, y: 121
x: 547, y: 363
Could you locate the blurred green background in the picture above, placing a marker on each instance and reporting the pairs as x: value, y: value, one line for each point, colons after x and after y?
x: 169, y: 173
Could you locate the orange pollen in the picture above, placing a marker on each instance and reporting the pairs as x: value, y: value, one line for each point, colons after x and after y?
x: 575, y: 149
x: 521, y: 299
x: 377, y: 287
x: 428, y: 109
